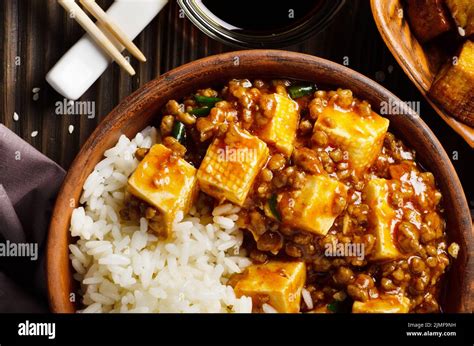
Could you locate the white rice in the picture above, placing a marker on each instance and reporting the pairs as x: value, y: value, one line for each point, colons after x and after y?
x: 268, y: 309
x: 307, y: 298
x: 124, y: 268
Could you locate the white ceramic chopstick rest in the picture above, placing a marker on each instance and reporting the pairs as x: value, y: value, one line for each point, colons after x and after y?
x: 85, y: 62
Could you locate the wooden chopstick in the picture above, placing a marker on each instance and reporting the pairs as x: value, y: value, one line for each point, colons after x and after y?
x: 96, y: 34
x: 99, y: 14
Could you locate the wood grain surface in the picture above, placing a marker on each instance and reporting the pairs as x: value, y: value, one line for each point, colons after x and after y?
x: 36, y: 33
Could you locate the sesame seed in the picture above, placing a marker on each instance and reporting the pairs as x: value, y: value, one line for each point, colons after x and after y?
x: 71, y: 128
x: 34, y: 134
x: 16, y: 117
x: 36, y: 90
x: 36, y: 97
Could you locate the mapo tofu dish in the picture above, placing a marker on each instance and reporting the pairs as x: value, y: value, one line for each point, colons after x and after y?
x: 261, y: 196
x: 337, y: 214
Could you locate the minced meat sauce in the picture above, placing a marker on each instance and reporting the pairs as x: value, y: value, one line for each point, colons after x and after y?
x: 333, y: 280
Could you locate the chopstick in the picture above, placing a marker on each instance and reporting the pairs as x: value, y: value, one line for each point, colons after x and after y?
x: 108, y: 24
x: 96, y: 34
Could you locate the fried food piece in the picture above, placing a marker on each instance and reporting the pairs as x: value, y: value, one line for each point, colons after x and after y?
x: 381, y: 220
x: 453, y: 87
x: 463, y: 14
x: 428, y: 18
x: 388, y: 304
x: 231, y: 165
x: 276, y: 283
x: 315, y: 206
x: 280, y: 130
x: 360, y: 135
x: 165, y: 181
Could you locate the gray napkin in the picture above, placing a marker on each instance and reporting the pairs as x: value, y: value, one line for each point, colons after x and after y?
x: 29, y: 182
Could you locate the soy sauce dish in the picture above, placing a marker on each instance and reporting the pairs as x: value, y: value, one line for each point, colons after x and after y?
x: 272, y: 186
x: 250, y: 25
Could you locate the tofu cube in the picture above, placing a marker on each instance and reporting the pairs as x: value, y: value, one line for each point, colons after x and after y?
x: 311, y: 209
x: 166, y: 182
x: 361, y: 136
x: 388, y: 304
x: 231, y: 165
x: 382, y: 220
x: 280, y: 131
x: 281, y: 282
x: 453, y: 87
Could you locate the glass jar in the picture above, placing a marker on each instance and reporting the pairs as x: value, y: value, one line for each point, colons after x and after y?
x: 260, y: 23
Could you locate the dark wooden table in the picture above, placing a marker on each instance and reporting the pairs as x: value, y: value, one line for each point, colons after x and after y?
x: 36, y: 33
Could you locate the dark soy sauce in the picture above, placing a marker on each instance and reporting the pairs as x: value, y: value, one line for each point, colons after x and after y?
x: 260, y: 17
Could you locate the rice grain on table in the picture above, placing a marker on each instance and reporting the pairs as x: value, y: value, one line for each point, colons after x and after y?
x: 124, y: 268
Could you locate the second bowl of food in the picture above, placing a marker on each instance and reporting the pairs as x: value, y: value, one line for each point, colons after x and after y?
x: 261, y: 181
x: 432, y: 42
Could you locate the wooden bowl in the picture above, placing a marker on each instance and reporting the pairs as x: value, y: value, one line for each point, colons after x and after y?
x: 137, y: 111
x: 418, y: 62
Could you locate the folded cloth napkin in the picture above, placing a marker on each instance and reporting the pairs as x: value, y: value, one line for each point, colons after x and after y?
x: 29, y: 182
